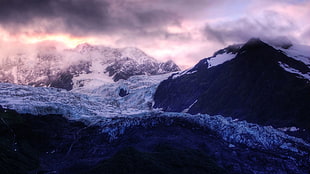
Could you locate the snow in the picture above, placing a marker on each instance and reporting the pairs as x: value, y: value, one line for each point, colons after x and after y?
x: 178, y: 74
x: 92, y: 80
x: 290, y: 129
x: 181, y: 73
x: 294, y: 71
x: 298, y: 52
x: 40, y: 66
x: 93, y: 100
x: 240, y: 132
x: 190, y: 106
x: 220, y: 59
x: 191, y: 72
x: 212, y: 61
x: 137, y: 54
x: 101, y: 57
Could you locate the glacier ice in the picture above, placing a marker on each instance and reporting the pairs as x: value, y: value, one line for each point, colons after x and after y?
x: 102, y: 106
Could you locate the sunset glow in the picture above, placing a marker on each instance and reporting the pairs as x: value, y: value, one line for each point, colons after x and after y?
x: 69, y: 41
x: 66, y: 39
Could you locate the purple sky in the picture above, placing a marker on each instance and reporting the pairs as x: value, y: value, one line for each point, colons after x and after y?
x: 182, y: 30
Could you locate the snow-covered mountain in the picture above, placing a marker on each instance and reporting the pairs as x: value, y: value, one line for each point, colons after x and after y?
x: 49, y: 66
x: 254, y: 81
x: 103, y: 120
x: 79, y: 130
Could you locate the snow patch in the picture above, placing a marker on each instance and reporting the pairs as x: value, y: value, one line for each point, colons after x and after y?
x: 190, y: 106
x: 298, y: 52
x: 137, y: 54
x: 294, y: 71
x: 220, y: 59
x: 289, y: 129
x: 181, y: 73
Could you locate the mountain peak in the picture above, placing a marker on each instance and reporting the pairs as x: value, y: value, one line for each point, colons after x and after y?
x: 254, y: 43
x: 253, y: 84
x: 84, y: 65
x: 254, y: 40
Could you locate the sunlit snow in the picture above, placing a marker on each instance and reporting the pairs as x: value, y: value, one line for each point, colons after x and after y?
x: 220, y: 59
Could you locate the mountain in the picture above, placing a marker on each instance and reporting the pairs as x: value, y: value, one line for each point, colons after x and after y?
x: 102, y: 126
x: 113, y: 128
x: 70, y: 68
x: 254, y: 81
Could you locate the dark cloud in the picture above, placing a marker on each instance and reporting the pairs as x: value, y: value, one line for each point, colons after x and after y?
x: 87, y: 14
x: 155, y: 17
x: 270, y: 25
x: 80, y: 17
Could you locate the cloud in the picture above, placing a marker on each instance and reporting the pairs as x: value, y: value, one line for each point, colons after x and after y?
x: 182, y: 30
x: 71, y: 15
x: 81, y: 17
x: 306, y: 35
x: 269, y: 25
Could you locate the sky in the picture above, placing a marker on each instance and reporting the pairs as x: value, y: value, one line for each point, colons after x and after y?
x: 184, y: 31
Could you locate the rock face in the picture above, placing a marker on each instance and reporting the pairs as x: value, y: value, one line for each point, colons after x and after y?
x: 247, y: 82
x: 155, y: 144
x: 51, y: 67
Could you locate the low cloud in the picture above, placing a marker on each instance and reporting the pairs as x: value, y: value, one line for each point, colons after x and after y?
x: 269, y: 25
x: 306, y: 35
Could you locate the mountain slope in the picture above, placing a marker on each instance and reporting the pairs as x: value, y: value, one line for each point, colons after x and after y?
x: 252, y: 86
x: 52, y: 67
x: 160, y: 142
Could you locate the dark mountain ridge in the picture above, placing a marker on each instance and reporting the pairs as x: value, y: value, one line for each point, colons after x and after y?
x: 52, y: 144
x: 252, y: 86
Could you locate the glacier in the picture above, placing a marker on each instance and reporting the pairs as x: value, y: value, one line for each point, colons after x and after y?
x: 103, y: 106
x: 101, y: 101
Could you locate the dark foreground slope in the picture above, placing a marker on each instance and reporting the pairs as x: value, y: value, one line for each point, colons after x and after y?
x: 53, y: 144
x: 252, y: 86
x: 17, y: 156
